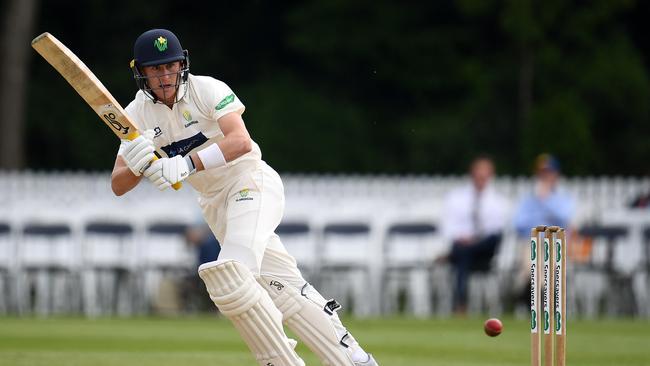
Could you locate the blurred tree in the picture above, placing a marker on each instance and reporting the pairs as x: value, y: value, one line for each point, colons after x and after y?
x: 17, y: 25
x: 514, y: 78
x: 585, y: 65
x: 362, y: 86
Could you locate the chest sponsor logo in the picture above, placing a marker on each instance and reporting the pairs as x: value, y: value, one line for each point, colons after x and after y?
x: 157, y: 132
x: 225, y: 101
x: 182, y: 147
x: 188, y: 118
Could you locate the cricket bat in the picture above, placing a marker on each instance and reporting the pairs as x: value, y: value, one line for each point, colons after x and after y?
x: 88, y: 86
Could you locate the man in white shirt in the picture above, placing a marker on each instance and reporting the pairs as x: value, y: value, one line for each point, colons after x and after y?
x: 194, y: 123
x: 474, y: 219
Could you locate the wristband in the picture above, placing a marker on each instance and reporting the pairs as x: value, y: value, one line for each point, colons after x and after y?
x: 212, y: 157
x: 190, y: 164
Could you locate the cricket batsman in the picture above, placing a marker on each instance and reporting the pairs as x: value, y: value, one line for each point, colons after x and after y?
x: 194, y: 123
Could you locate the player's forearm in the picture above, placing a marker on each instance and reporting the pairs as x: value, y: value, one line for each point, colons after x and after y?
x: 235, y: 145
x: 228, y: 149
x: 237, y: 140
x: 122, y: 179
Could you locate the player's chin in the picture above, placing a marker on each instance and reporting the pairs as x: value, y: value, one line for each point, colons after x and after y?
x: 166, y: 93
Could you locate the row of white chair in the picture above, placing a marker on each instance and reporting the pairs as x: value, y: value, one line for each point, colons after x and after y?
x: 324, y: 204
x: 63, y: 266
x: 362, y: 260
x: 382, y: 246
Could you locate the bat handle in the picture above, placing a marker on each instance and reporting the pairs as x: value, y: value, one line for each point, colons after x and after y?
x: 133, y: 136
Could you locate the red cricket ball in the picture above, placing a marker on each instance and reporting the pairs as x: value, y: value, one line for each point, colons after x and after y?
x: 493, y: 327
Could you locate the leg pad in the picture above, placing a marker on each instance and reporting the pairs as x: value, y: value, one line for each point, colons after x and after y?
x: 241, y: 299
x: 313, y: 319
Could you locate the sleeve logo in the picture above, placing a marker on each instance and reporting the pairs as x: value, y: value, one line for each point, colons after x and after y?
x: 225, y: 101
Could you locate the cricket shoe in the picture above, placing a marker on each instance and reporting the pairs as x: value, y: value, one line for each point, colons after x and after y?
x: 370, y: 362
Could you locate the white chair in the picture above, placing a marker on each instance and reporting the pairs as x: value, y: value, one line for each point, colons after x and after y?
x: 48, y: 258
x: 300, y: 241
x: 164, y: 246
x: 596, y: 279
x: 631, y: 255
x: 347, y: 266
x: 410, y: 249
x: 166, y: 260
x: 6, y: 267
x: 641, y: 280
x: 108, y: 273
x: 487, y: 289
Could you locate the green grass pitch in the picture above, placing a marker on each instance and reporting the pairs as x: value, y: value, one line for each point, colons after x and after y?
x: 203, y: 341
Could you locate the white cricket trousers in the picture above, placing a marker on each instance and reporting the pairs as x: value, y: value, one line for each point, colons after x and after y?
x: 243, y: 217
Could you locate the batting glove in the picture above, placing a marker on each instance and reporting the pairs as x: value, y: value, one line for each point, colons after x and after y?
x: 138, y: 153
x: 168, y: 171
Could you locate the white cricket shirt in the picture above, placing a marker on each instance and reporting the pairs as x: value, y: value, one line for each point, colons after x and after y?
x: 460, y: 202
x: 191, y: 125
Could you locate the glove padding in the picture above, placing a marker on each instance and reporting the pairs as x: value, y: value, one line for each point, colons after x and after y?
x: 168, y: 171
x: 138, y: 153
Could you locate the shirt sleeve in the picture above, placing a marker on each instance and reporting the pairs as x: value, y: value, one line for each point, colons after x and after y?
x: 219, y: 98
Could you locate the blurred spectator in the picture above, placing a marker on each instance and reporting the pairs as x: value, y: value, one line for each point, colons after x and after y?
x: 474, y: 219
x: 548, y: 205
x: 641, y: 201
x: 207, y: 250
x: 207, y: 246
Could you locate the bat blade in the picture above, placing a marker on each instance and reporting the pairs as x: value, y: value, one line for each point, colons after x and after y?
x: 87, y: 85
